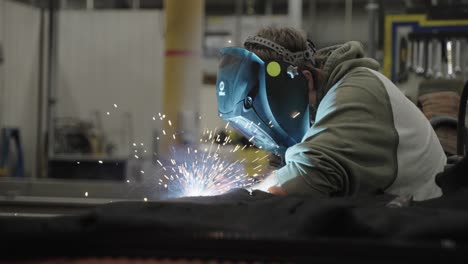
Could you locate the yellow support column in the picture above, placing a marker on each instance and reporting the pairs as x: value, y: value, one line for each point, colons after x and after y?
x: 182, y: 72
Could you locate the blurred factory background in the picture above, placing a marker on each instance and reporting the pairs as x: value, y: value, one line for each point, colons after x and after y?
x: 84, y: 84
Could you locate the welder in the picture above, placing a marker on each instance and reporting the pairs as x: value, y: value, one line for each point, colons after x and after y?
x: 341, y: 127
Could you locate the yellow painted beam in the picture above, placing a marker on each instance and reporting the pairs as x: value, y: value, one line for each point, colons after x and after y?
x: 182, y: 71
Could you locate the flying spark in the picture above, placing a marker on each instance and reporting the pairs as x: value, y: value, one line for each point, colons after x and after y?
x: 206, y: 169
x: 204, y: 173
x: 295, y: 114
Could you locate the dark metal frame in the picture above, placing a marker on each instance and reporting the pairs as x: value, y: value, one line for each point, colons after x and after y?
x: 461, y: 129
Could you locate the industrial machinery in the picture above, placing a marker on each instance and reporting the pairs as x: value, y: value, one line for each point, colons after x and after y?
x: 425, y: 55
x: 431, y: 48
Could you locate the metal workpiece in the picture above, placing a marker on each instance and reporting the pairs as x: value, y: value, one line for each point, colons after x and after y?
x: 449, y: 50
x: 400, y: 201
x: 430, y: 61
x: 421, y: 57
x: 78, y: 191
x: 409, y: 53
x: 414, y: 64
x: 437, y: 68
x: 457, y: 57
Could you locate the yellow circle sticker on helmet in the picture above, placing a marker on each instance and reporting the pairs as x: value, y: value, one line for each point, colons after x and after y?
x: 273, y: 69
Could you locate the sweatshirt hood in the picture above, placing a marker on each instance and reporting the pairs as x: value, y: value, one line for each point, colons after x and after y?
x: 336, y: 61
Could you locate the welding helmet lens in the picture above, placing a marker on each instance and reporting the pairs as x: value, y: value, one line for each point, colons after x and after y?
x: 266, y: 101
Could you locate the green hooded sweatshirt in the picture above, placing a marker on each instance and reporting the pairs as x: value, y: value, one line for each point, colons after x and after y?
x: 367, y: 136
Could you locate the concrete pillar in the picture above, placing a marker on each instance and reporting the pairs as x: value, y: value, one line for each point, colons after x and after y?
x: 312, y: 19
x: 136, y: 4
x: 295, y: 13
x: 182, y: 72
x: 2, y: 46
x: 269, y: 7
x: 372, y: 20
x: 52, y: 44
x: 348, y: 19
x: 63, y: 4
x: 239, y: 12
x: 89, y: 4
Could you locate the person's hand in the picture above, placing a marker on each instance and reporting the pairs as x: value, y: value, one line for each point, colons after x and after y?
x: 270, y: 184
x: 264, y: 185
x: 277, y: 190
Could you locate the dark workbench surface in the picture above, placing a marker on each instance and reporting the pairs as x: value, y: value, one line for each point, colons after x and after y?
x: 258, y: 226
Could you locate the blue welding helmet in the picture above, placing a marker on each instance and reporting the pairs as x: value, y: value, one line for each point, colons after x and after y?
x: 267, y: 101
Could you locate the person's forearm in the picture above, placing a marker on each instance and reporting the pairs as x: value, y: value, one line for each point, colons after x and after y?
x: 301, y: 186
x: 267, y: 183
x: 303, y: 180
